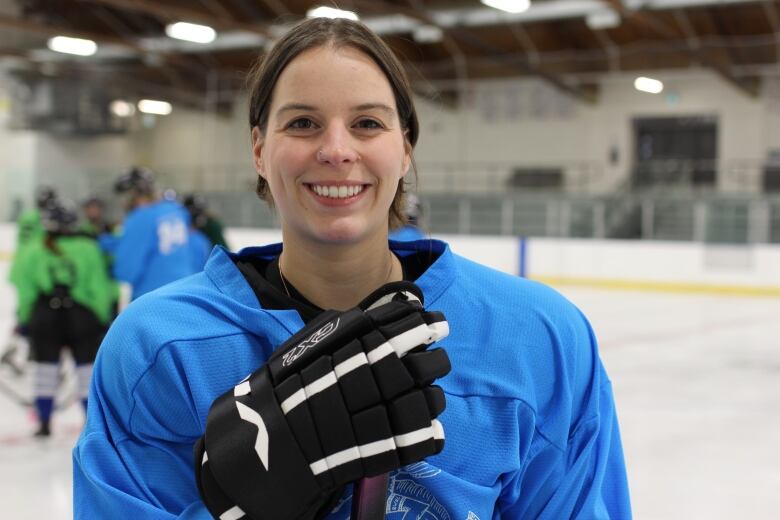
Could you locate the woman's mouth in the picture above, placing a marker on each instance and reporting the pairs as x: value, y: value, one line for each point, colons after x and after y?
x: 336, y: 192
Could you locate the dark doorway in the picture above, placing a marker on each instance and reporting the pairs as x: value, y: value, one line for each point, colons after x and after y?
x: 675, y: 152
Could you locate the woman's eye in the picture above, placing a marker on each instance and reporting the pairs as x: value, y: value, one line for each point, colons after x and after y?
x: 302, y: 123
x: 369, y: 124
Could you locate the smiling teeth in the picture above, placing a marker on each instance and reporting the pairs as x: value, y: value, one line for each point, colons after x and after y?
x: 336, y: 192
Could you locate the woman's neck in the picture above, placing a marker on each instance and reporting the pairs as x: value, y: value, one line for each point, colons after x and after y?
x: 338, y: 276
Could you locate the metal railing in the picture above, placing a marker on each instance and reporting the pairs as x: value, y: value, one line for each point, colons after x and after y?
x: 711, y: 219
x: 462, y: 200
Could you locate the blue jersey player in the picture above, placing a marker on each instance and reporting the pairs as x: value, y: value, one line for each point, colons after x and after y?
x: 263, y: 387
x: 153, y: 247
x: 410, y: 230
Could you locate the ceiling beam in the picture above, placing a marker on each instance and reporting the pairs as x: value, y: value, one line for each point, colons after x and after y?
x: 728, y: 53
x: 610, y: 49
x: 526, y: 42
x: 277, y: 7
x: 458, y: 35
x: 217, y: 9
x: 46, y: 30
x: 645, y: 19
x: 167, y: 12
x: 174, y: 63
x: 773, y: 18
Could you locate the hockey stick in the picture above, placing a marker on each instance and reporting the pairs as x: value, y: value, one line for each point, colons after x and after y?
x: 8, y: 359
x: 369, y: 498
x: 12, y: 394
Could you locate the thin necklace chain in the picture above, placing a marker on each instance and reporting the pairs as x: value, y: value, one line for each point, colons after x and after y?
x: 287, y: 291
x: 284, y: 284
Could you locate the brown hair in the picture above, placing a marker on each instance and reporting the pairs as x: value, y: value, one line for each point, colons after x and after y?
x: 316, y: 32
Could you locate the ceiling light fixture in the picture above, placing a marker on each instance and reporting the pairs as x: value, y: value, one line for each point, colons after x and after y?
x: 649, y: 85
x: 428, y: 34
x: 509, y: 6
x: 68, y: 45
x: 191, y: 32
x: 330, y: 12
x: 151, y: 106
x: 599, y: 20
x: 121, y: 108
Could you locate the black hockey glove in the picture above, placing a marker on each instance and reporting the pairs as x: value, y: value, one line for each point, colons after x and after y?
x: 348, y: 396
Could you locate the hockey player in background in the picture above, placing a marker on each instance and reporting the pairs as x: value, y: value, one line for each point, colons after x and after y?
x: 410, y: 231
x: 295, y: 369
x: 152, y: 248
x: 95, y: 222
x: 64, y: 301
x: 29, y: 230
x: 204, y: 220
x: 97, y: 226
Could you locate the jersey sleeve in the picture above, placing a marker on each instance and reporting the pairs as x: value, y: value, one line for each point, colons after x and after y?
x: 100, y: 286
x: 108, y: 242
x: 134, y: 457
x: 26, y: 281
x: 107, y: 481
x: 574, y: 468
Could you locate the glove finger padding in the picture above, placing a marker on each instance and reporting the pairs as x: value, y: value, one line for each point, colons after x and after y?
x: 347, y: 396
x: 314, y: 399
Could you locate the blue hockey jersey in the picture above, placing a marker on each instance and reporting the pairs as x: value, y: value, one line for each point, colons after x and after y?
x: 530, y: 423
x: 407, y: 233
x: 153, y: 248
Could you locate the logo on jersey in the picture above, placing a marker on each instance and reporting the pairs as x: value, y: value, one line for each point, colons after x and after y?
x: 328, y: 329
x: 407, y: 497
x: 171, y: 233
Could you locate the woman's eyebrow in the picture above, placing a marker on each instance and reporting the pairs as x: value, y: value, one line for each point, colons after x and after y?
x: 296, y: 106
x: 374, y: 106
x: 358, y: 108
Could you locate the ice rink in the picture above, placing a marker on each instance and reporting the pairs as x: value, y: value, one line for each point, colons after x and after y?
x: 697, y: 383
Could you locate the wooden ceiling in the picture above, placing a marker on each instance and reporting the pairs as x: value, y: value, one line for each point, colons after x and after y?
x: 737, y: 39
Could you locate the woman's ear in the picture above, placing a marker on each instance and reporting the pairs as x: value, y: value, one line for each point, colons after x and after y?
x: 258, y: 141
x: 407, y: 155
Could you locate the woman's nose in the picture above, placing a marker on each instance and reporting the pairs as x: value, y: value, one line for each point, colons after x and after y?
x: 337, y: 147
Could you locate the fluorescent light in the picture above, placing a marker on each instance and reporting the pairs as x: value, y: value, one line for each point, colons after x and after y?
x: 330, y: 12
x: 509, y: 6
x: 606, y: 19
x: 650, y: 85
x: 122, y: 108
x: 68, y: 45
x: 151, y: 106
x: 427, y: 34
x: 191, y: 32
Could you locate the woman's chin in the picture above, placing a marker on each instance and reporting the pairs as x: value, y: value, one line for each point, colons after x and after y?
x: 343, y: 232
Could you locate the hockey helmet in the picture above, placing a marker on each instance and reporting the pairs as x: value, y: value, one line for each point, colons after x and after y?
x: 196, y: 206
x: 45, y: 196
x: 412, y: 208
x: 139, y: 180
x: 60, y: 218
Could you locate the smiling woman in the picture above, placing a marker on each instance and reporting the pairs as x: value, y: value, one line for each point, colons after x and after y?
x: 333, y: 155
x: 333, y: 328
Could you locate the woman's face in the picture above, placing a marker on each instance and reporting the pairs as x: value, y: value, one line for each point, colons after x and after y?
x: 333, y: 150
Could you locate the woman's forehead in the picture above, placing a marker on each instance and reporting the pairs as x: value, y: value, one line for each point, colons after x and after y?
x: 325, y: 75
